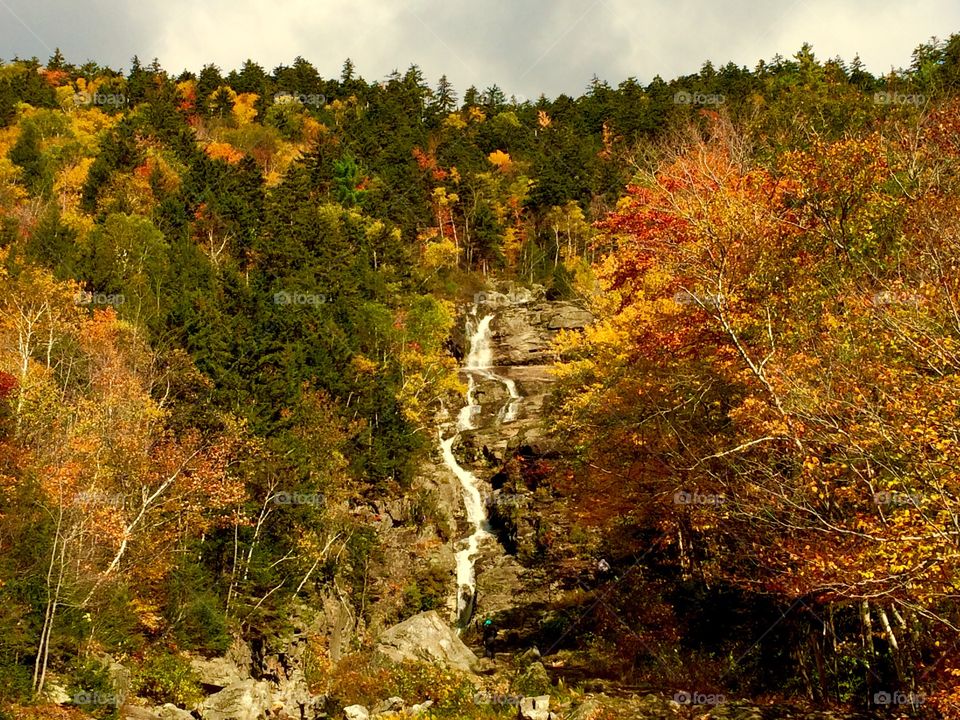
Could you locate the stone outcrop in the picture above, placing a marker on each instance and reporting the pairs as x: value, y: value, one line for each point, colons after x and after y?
x: 172, y: 712
x: 218, y: 672
x: 527, y: 323
x: 245, y: 700
x: 425, y: 637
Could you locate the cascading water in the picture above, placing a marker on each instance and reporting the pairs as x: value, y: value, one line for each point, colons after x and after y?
x: 479, y: 363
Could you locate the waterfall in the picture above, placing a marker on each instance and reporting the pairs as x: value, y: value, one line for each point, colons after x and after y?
x: 479, y: 364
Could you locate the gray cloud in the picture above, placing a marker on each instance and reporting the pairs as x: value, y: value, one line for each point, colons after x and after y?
x: 525, y: 46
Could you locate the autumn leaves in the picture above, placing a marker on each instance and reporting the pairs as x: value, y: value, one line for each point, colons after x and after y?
x: 742, y: 352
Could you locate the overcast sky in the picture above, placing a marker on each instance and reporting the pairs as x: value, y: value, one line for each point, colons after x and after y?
x: 528, y: 47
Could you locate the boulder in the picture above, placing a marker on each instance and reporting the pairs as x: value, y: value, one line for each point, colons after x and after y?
x: 485, y: 666
x: 119, y: 677
x: 356, y: 712
x: 589, y: 709
x: 245, y: 700
x: 421, y: 707
x: 218, y: 672
x: 391, y: 704
x: 535, y: 708
x: 735, y: 711
x: 293, y: 695
x: 172, y: 712
x: 138, y: 712
x: 530, y: 656
x: 428, y: 638
x: 241, y: 656
x: 56, y: 693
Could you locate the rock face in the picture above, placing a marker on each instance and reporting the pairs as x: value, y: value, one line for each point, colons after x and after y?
x: 218, y: 672
x: 244, y: 700
x: 524, y: 333
x: 523, y: 330
x: 504, y: 447
x: 425, y: 637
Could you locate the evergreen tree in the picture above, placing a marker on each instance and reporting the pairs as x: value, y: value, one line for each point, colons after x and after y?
x: 445, y: 97
x: 27, y: 156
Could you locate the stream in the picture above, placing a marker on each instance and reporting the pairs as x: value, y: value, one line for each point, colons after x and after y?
x: 479, y: 364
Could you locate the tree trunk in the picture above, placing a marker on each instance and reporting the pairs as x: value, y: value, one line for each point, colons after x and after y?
x: 892, y: 640
x: 869, y: 652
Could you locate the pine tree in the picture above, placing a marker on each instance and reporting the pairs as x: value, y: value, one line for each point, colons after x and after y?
x: 445, y: 98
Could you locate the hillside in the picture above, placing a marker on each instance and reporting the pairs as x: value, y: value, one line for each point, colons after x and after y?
x: 301, y: 373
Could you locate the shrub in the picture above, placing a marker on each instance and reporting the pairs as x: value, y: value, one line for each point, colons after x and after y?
x: 194, y: 611
x: 168, y: 678
x: 358, y: 680
x: 425, y: 592
x: 15, y: 682
x: 92, y: 691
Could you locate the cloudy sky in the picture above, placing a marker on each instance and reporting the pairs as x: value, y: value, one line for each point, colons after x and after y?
x: 525, y: 46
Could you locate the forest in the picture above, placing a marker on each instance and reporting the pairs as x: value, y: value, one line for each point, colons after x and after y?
x: 228, y: 309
